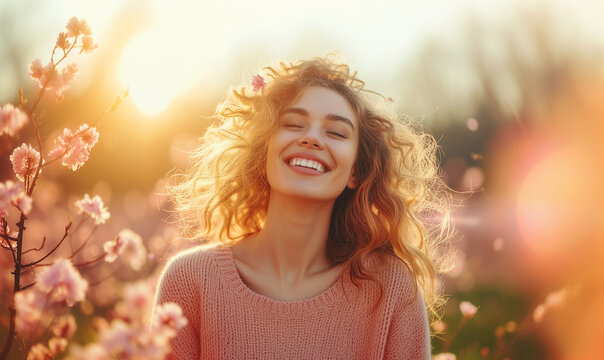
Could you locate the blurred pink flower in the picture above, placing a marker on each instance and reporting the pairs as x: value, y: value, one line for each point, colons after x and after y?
x: 76, y: 27
x: 94, y: 208
x: 39, y: 352
x: 556, y: 299
x: 439, y: 326
x: 36, y: 70
x: 467, y: 309
x: 258, y: 82
x: 49, y: 78
x: 118, y: 339
x: 12, y: 119
x: 89, y: 135
x: 8, y: 190
x: 62, y: 282
x: 444, y: 356
x: 88, y: 44
x: 113, y: 248
x: 63, y: 42
x: 11, y: 193
x: 25, y: 161
x: 539, y: 313
x: 75, y: 150
x: 75, y: 156
x: 57, y: 345
x: 64, y: 327
x: 136, y: 295
x: 30, y: 305
x: 134, y: 252
x: 90, y: 352
x: 22, y: 202
x: 168, y: 317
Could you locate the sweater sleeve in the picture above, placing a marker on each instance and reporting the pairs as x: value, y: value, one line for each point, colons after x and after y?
x: 177, y: 285
x: 409, y: 333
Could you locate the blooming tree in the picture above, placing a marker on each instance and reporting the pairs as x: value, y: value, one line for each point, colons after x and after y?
x: 43, y: 305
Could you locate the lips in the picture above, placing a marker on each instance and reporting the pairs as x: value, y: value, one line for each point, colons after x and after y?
x: 307, y: 156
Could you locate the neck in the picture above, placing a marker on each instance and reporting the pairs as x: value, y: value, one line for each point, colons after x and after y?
x: 292, y: 243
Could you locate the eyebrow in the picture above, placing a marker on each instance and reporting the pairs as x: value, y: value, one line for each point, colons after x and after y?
x: 304, y: 112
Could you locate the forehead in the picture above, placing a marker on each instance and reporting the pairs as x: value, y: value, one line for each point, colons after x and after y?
x: 320, y: 101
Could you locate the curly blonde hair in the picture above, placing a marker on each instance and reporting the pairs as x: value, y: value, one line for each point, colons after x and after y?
x: 400, y: 207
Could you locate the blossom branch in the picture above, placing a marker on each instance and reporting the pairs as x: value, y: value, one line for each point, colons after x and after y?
x: 38, y: 249
x: 84, y: 243
x: 51, y: 251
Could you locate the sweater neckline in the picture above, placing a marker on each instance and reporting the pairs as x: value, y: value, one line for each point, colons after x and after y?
x: 226, y: 265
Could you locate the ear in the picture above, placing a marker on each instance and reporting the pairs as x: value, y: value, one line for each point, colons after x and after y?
x: 352, y: 181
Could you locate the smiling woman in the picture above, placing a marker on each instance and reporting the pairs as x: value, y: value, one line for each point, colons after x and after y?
x: 314, y: 207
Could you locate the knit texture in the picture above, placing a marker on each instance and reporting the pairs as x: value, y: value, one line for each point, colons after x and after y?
x: 228, y: 320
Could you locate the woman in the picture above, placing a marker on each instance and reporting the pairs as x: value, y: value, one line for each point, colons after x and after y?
x: 315, y: 208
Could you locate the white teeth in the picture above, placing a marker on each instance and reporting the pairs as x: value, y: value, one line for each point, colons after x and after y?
x: 307, y: 163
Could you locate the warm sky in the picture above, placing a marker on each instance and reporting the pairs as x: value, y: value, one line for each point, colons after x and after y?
x: 206, y: 38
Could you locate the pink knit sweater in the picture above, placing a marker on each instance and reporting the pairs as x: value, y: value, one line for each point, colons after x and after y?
x: 227, y: 320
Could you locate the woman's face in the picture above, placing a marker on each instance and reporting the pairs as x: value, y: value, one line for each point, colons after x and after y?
x: 312, y: 153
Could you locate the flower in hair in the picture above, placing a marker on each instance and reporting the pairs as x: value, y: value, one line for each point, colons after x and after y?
x: 258, y: 82
x: 390, y: 99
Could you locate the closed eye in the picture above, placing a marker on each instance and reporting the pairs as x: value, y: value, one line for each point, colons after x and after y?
x: 336, y: 134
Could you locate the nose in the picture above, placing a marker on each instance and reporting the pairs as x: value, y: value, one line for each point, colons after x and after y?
x: 311, y: 140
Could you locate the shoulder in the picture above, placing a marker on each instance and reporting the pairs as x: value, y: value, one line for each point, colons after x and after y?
x: 190, y: 262
x: 185, y: 273
x: 395, y: 275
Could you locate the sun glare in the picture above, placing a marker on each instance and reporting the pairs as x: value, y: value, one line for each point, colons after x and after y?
x: 158, y: 67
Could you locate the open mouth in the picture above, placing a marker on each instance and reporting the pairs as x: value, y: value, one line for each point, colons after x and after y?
x: 307, y: 165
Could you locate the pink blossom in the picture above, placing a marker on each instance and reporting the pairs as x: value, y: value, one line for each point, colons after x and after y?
x: 30, y: 305
x: 90, y: 352
x: 25, y: 161
x: 11, y: 193
x: 169, y: 317
x: 76, y: 27
x: 444, y: 356
x: 64, y: 327
x: 49, y: 78
x: 76, y: 156
x: 6, y: 243
x: 12, y: 119
x: 39, y: 352
x: 63, y: 42
x: 136, y: 295
x: 134, y: 252
x: 62, y: 282
x: 36, y: 70
x: 258, y: 82
x: 89, y: 135
x: 113, y: 248
x: 22, y: 202
x: 8, y: 190
x: 390, y: 99
x: 57, y: 345
x: 94, y: 208
x: 74, y: 148
x: 467, y: 309
x: 119, y: 339
x: 62, y: 83
x: 88, y: 44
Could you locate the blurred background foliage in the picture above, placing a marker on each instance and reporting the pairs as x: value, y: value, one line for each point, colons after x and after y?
x: 514, y: 94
